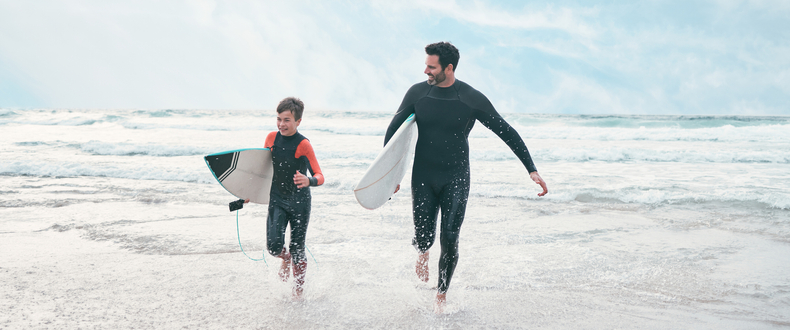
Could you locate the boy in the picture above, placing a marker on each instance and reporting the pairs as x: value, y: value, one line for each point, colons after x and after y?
x: 289, y: 198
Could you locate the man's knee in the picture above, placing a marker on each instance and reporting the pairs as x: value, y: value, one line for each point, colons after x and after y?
x: 422, y: 242
x: 449, y: 241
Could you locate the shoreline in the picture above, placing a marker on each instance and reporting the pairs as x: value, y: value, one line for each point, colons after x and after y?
x: 58, y: 279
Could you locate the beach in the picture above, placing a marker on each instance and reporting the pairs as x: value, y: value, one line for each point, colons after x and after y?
x: 111, y: 219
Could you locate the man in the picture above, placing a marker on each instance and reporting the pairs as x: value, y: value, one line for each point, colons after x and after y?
x: 445, y: 111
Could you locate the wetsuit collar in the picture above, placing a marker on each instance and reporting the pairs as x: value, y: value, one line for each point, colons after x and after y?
x: 449, y: 92
x: 454, y: 85
x: 288, y: 138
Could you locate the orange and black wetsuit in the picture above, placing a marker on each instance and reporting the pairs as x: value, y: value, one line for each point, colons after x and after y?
x: 440, y: 175
x: 287, y: 203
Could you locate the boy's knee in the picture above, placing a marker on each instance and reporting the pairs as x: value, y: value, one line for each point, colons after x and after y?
x: 275, y: 248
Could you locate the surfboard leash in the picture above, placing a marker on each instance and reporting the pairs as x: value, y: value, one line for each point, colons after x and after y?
x: 263, y: 255
x: 238, y: 235
x: 311, y: 254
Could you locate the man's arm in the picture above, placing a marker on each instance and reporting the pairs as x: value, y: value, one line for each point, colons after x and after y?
x: 493, y: 121
x: 490, y: 118
x: 406, y: 108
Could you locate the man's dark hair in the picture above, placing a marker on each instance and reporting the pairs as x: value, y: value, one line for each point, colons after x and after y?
x: 292, y: 104
x: 447, y: 53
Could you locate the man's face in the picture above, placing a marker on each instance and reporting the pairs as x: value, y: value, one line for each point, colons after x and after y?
x: 434, y: 70
x: 286, y: 123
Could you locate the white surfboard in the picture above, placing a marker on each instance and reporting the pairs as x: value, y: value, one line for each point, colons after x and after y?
x: 245, y: 173
x: 387, y: 170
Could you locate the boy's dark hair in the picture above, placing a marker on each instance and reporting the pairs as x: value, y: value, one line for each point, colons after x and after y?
x: 447, y: 53
x: 292, y: 104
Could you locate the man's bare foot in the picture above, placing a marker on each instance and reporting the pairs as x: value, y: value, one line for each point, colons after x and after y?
x: 441, y: 301
x: 422, y: 267
x: 285, y: 269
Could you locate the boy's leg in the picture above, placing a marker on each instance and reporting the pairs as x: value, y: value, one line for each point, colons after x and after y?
x: 300, y: 268
x: 299, y: 223
x: 285, y: 268
x: 276, y: 224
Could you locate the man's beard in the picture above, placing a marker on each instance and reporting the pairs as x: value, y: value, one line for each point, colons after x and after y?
x: 438, y: 79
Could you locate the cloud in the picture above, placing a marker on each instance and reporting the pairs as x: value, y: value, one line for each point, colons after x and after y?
x: 189, y: 55
x: 722, y: 57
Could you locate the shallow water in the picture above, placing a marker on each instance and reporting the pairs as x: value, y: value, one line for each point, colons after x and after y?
x: 110, y: 218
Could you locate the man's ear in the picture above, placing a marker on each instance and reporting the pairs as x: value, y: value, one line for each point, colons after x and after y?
x: 450, y: 67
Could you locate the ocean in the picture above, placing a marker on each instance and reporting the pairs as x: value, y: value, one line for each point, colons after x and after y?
x: 111, y: 219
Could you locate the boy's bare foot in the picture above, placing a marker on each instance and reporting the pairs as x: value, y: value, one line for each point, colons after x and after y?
x: 285, y: 269
x: 441, y: 301
x: 299, y: 271
x: 422, y: 267
x: 297, y: 293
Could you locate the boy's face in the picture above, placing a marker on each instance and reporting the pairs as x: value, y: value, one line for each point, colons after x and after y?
x: 286, y: 123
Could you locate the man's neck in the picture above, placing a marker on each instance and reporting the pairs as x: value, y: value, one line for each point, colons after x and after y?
x: 447, y: 82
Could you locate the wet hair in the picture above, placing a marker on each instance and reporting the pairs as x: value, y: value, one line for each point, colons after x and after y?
x: 292, y: 104
x: 447, y: 53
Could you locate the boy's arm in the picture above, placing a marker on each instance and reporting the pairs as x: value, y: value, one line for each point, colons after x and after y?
x: 305, y: 149
x: 270, y: 139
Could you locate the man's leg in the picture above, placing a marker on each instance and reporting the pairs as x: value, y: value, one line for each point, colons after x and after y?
x: 425, y: 208
x: 453, y: 206
x: 422, y: 266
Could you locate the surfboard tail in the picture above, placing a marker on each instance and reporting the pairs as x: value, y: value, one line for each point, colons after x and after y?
x: 388, y: 169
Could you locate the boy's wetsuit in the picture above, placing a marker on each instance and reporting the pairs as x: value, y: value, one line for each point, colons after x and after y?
x: 288, y: 204
x: 440, y: 175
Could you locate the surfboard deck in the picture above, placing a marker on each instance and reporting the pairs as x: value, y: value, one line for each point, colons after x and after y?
x: 388, y: 169
x: 245, y: 173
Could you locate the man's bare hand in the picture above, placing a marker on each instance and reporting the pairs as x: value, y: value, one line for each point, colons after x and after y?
x: 536, y: 177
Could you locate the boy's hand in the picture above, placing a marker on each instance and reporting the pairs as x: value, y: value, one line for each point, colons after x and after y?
x: 301, y: 180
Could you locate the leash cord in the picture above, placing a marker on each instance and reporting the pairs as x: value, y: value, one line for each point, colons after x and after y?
x: 238, y: 235
x: 263, y: 255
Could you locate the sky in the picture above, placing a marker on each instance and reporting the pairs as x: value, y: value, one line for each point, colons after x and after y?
x: 727, y: 57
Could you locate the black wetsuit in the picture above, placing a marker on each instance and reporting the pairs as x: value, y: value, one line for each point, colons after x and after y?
x: 287, y: 203
x: 440, y: 175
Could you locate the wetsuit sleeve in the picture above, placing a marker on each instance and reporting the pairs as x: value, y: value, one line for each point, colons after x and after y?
x: 406, y: 108
x: 305, y: 151
x: 270, y: 139
x: 485, y: 113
